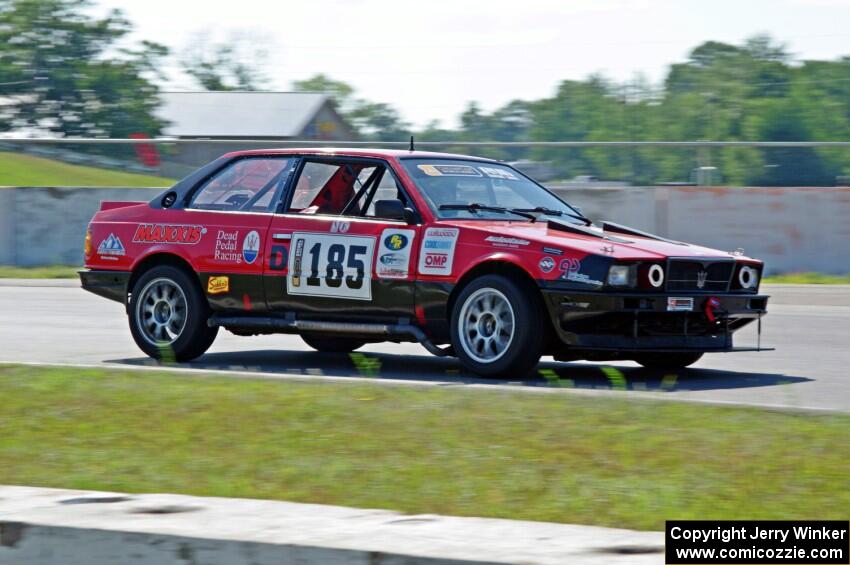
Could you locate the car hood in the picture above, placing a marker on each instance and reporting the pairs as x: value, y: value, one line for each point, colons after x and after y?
x: 616, y: 245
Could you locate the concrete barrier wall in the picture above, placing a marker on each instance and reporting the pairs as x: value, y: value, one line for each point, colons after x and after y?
x: 47, y: 226
x: 791, y: 229
x: 40, y: 526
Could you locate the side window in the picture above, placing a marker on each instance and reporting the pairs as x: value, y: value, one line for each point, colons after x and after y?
x: 313, y: 178
x: 248, y: 185
x: 329, y: 188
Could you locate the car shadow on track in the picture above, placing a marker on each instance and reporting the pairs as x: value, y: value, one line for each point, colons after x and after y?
x: 447, y: 371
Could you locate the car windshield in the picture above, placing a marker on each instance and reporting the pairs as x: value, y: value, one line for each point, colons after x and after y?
x: 457, y: 188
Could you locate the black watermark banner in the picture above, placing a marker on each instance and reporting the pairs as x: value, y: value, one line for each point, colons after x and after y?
x: 747, y: 542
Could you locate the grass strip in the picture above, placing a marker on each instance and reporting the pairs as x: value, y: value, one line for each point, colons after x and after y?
x: 561, y: 458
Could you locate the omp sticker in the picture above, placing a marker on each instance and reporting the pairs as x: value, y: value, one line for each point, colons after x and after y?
x: 495, y: 173
x: 218, y: 285
x: 251, y: 247
x: 168, y: 233
x: 111, y: 246
x: 438, y: 251
x: 337, y: 266
x: 449, y: 170
x: 394, y: 254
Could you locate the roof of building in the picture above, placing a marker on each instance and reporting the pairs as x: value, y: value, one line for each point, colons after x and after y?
x: 238, y: 114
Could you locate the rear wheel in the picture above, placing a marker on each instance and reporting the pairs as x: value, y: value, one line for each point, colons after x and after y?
x: 168, y: 315
x: 497, y: 327
x: 327, y: 344
x: 667, y: 360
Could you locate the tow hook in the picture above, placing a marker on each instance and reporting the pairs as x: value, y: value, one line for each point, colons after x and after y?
x: 712, y: 308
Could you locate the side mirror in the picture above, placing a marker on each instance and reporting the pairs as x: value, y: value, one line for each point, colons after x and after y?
x: 390, y: 210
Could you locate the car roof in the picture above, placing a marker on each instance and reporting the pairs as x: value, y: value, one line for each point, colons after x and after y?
x: 380, y: 153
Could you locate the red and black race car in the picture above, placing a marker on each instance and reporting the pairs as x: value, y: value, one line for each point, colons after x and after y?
x: 467, y: 256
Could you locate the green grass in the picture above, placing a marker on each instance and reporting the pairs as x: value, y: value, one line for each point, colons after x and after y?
x: 27, y: 170
x: 559, y: 457
x: 46, y: 272
x: 808, y: 278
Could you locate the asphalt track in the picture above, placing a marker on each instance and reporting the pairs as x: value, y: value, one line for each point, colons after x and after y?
x: 57, y: 322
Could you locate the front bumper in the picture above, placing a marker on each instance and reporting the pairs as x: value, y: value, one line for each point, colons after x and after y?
x: 109, y: 284
x: 628, y: 322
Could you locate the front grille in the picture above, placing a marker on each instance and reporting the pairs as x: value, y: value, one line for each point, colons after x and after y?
x: 699, y: 276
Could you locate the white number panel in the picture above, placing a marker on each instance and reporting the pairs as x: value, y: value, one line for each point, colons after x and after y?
x: 337, y: 266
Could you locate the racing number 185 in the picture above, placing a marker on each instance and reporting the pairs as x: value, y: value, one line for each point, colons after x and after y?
x: 334, y: 270
x: 333, y: 265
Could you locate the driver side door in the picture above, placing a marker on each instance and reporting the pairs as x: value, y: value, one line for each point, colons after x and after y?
x: 331, y: 257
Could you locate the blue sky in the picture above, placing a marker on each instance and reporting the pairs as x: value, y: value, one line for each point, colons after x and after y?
x: 429, y: 58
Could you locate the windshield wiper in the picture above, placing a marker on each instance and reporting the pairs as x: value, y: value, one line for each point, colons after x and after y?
x: 550, y: 212
x: 475, y: 206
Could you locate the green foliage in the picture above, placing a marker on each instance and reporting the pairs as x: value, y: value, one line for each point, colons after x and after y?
x: 375, y: 121
x: 224, y: 66
x: 65, y: 72
x: 340, y: 92
x: 721, y: 93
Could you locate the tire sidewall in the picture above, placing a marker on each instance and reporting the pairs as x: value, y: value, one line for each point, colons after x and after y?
x: 195, y: 337
x: 526, y: 346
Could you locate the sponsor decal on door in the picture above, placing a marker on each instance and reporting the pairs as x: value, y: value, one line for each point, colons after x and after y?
x: 394, y: 254
x: 169, y: 233
x: 218, y: 285
x: 438, y: 251
x: 336, y: 266
x: 251, y: 247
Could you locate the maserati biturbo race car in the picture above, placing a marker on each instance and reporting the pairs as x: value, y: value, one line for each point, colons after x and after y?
x: 467, y: 256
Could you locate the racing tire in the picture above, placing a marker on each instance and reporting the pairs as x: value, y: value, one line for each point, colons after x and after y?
x: 667, y: 360
x: 326, y: 344
x: 498, y: 327
x: 168, y: 315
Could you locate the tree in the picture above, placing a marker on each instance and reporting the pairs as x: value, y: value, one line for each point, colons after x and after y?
x: 378, y: 121
x: 63, y: 71
x: 225, y: 66
x: 341, y: 93
x: 373, y: 120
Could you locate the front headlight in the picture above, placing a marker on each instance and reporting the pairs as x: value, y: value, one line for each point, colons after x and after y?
x: 620, y: 275
x: 748, y: 277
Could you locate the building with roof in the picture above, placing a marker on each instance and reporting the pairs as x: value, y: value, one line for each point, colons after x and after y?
x: 246, y: 115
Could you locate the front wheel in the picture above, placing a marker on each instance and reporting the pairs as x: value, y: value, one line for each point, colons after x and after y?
x: 497, y: 327
x: 667, y: 360
x: 168, y: 315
